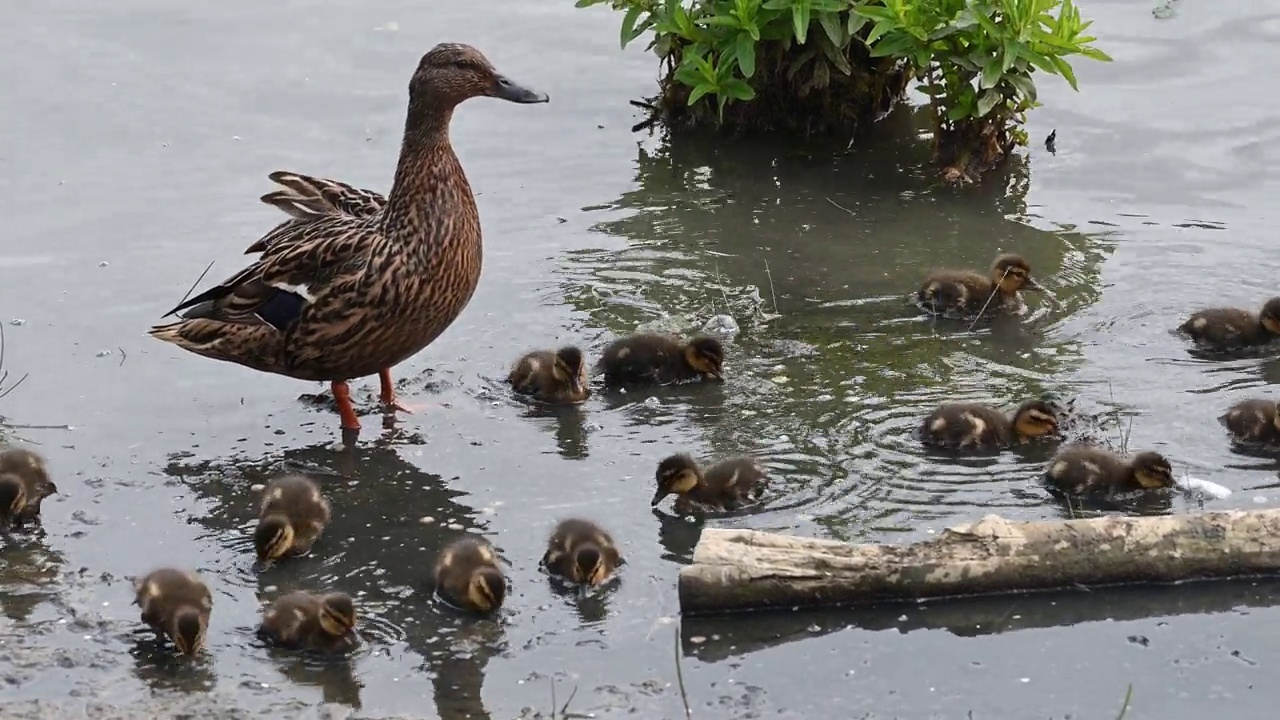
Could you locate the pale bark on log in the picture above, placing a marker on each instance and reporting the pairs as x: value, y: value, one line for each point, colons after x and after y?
x: 749, y: 570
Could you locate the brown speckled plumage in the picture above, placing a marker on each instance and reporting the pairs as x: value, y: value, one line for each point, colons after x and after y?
x: 1253, y: 422
x: 24, y: 484
x: 303, y: 620
x: 964, y: 292
x: 1233, y: 328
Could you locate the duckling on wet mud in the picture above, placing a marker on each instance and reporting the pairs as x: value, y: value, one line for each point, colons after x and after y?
x: 306, y: 621
x: 1253, y: 422
x: 580, y: 551
x: 24, y: 484
x: 726, y: 485
x: 967, y: 293
x: 555, y: 377
x: 1090, y: 470
x: 1233, y: 328
x: 653, y: 358
x: 971, y: 426
x: 467, y: 576
x: 293, y: 515
x: 175, y: 603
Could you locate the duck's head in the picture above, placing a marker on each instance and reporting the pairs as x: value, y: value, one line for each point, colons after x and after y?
x: 452, y: 72
x: 571, y: 368
x: 1013, y: 273
x: 705, y: 354
x: 677, y: 475
x: 29, y: 466
x: 337, y: 614
x: 1035, y: 418
x: 13, y: 494
x: 1270, y: 316
x: 486, y: 588
x: 1152, y: 470
x: 272, y: 538
x: 188, y: 629
x: 589, y: 566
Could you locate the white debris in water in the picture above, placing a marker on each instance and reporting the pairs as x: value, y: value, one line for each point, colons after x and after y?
x: 17, y: 322
x: 426, y: 520
x: 1204, y: 487
x: 257, y: 487
x: 1259, y: 499
x: 721, y: 325
x: 454, y: 526
x: 103, y: 353
x: 104, y: 263
x: 652, y: 401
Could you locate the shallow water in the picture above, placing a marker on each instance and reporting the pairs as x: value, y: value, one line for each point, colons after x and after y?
x: 136, y: 139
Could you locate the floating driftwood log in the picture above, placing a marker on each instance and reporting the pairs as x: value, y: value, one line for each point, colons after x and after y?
x: 751, y: 570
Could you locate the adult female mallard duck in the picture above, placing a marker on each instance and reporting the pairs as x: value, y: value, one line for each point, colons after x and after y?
x: 1091, y: 470
x: 293, y: 515
x: 726, y: 485
x: 1253, y: 422
x: 24, y: 484
x: 581, y: 552
x: 176, y: 603
x: 555, y: 377
x: 964, y: 292
x: 653, y: 358
x: 970, y: 426
x: 468, y: 578
x: 306, y: 621
x: 1233, y: 328
x: 345, y: 289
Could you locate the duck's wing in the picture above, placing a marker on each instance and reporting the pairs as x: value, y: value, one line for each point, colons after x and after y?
x: 306, y: 198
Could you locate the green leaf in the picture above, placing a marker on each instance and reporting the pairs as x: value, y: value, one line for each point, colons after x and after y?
x: 990, y: 73
x: 1065, y: 68
x: 587, y: 3
x: 879, y: 30
x: 800, y: 19
x: 898, y: 45
x: 986, y: 101
x: 705, y: 68
x: 1023, y: 85
x: 721, y: 21
x: 834, y: 29
x: 629, y: 24
x: 776, y: 4
x: 737, y: 89
x: 1094, y: 54
x: 696, y: 94
x: 873, y: 12
x: 688, y: 74
x: 835, y: 54
x: 746, y: 55
x: 959, y: 112
x: 855, y: 23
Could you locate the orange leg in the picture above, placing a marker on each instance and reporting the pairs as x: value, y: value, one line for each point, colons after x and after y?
x: 388, y: 394
x: 342, y: 394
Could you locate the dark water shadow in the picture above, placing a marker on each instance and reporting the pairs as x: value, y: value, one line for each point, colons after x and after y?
x: 29, y: 573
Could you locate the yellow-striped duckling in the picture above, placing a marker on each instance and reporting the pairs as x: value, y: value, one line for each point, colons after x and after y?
x: 1253, y: 422
x: 307, y: 621
x: 1232, y: 328
x: 175, y: 603
x: 653, y: 358
x: 964, y: 292
x: 726, y: 485
x: 581, y: 552
x: 970, y: 426
x: 1091, y: 470
x: 468, y: 578
x: 557, y: 377
x: 292, y: 517
x: 24, y: 484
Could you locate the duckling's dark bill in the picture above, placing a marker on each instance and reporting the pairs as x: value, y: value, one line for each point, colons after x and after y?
x: 507, y: 89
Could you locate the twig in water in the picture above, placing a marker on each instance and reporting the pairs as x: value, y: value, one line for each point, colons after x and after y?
x: 193, y: 286
x: 990, y: 297
x: 1124, y: 709
x: 564, y: 709
x: 772, y: 294
x: 833, y: 202
x: 684, y: 696
x: 4, y: 374
x: 720, y: 283
x: 123, y: 355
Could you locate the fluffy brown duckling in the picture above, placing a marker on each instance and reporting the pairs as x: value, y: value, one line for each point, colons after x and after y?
x: 293, y: 515
x: 970, y: 426
x: 24, y: 484
x: 555, y: 377
x: 581, y: 552
x: 467, y: 576
x: 653, y: 358
x: 1231, y: 328
x: 1091, y: 470
x: 307, y: 621
x: 726, y: 485
x: 965, y: 292
x: 1253, y: 422
x: 175, y: 603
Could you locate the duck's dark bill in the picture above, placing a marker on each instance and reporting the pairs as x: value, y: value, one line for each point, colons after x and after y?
x: 507, y: 89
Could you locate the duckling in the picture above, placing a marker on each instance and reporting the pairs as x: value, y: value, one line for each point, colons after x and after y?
x: 725, y: 485
x: 467, y: 576
x: 1253, y: 422
x: 24, y: 484
x: 557, y: 377
x: 646, y: 358
x: 306, y: 621
x: 966, y: 293
x: 581, y: 552
x: 1231, y: 328
x: 1090, y: 470
x: 175, y: 603
x: 293, y: 516
x: 966, y: 426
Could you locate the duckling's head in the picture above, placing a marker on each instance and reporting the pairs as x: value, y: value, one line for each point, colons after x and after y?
x: 1012, y: 273
x: 337, y: 614
x: 589, y: 566
x: 677, y: 475
x: 188, y: 629
x: 1152, y: 470
x: 31, y: 466
x: 1035, y: 418
x: 13, y: 494
x: 452, y: 72
x: 1270, y: 316
x: 487, y: 588
x: 571, y: 368
x: 273, y: 538
x: 705, y: 355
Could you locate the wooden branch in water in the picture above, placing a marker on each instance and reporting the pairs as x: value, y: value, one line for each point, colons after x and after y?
x: 750, y: 570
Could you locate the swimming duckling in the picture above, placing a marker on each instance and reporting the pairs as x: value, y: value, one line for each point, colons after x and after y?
x: 654, y: 358
x: 966, y: 293
x: 292, y: 517
x: 175, y: 603
x: 581, y: 552
x: 307, y: 621
x: 725, y: 485
x: 1253, y: 422
x: 24, y: 484
x: 553, y: 377
x: 966, y: 426
x: 1231, y: 328
x: 1090, y: 470
x: 467, y: 576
